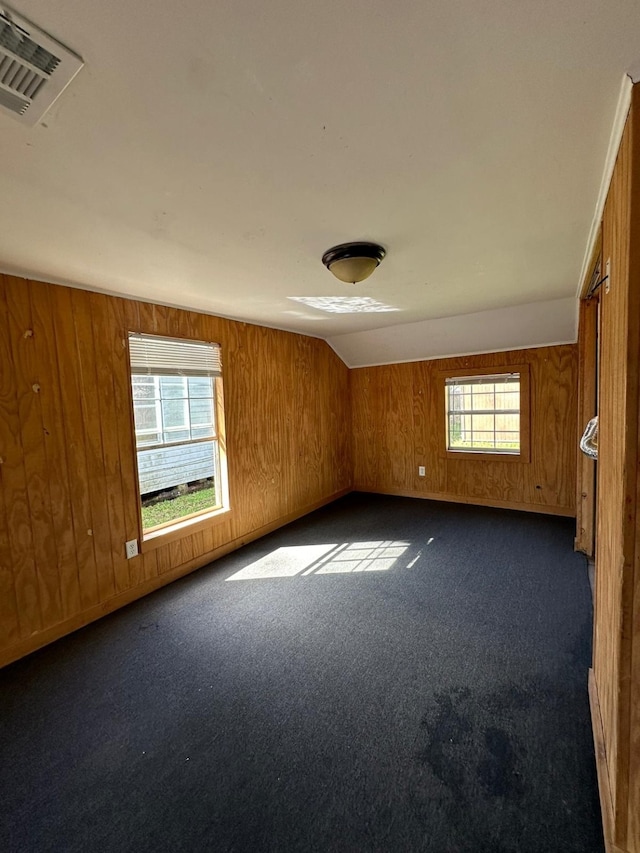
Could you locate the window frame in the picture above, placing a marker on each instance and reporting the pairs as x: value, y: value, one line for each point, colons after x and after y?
x: 488, y: 454
x: 153, y: 538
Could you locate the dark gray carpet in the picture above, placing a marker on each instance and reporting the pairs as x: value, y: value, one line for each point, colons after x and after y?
x: 434, y: 699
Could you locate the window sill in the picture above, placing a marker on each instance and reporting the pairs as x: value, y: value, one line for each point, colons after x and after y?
x: 486, y: 456
x: 172, y: 532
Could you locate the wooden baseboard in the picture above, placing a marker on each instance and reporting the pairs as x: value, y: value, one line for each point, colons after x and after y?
x: 568, y: 512
x: 30, y: 644
x: 604, y: 788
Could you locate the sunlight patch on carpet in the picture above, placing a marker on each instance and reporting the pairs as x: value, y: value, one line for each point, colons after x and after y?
x: 349, y: 557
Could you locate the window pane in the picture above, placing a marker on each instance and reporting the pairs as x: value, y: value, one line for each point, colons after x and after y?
x: 177, y: 481
x: 509, y: 400
x: 144, y: 387
x: 145, y: 416
x: 510, y: 440
x: 483, y: 400
x: 455, y: 430
x: 173, y: 386
x: 508, y: 422
x: 202, y: 432
x: 148, y: 439
x: 483, y: 422
x: 174, y: 414
x: 170, y: 436
x: 201, y: 412
x: 484, y: 415
x: 482, y: 438
x: 200, y: 386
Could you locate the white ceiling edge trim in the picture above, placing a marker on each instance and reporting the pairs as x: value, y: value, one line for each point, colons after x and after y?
x: 458, y: 354
x: 619, y: 121
x: 121, y: 295
x: 537, y: 324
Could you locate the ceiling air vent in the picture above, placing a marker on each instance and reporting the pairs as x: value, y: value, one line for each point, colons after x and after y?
x: 34, y: 68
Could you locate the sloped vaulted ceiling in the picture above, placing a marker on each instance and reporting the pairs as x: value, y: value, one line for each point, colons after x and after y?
x: 208, y: 153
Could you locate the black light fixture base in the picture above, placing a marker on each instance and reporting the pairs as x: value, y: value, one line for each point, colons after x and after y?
x: 353, y: 250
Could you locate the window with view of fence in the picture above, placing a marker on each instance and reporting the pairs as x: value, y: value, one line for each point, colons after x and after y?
x: 483, y: 413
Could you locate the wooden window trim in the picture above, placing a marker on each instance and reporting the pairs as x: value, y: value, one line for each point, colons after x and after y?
x: 524, y: 456
x: 185, y: 527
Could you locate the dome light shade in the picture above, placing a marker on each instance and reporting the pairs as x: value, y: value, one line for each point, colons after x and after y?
x: 353, y: 262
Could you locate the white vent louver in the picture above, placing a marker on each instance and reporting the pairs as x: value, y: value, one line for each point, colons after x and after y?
x: 34, y: 68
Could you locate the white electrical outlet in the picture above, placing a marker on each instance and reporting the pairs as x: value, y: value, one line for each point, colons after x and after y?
x: 422, y: 471
x: 131, y: 547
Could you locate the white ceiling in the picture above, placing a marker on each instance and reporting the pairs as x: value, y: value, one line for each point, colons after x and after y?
x: 517, y: 327
x: 209, y: 152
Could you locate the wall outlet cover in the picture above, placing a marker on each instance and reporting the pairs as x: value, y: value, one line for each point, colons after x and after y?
x: 131, y: 547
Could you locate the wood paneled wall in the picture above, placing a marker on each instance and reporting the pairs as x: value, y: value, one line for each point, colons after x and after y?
x: 296, y: 421
x: 398, y: 417
x: 615, y: 678
x: 68, y: 497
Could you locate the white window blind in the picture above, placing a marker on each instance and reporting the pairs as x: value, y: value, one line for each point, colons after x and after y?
x: 158, y: 356
x: 494, y: 379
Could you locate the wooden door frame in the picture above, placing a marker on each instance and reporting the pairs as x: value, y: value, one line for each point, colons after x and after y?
x: 587, y: 408
x: 587, y: 402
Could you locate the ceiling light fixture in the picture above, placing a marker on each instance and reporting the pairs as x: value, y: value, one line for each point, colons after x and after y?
x: 353, y: 262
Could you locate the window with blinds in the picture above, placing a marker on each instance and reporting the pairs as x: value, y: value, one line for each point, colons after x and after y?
x: 176, y: 407
x: 483, y: 413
